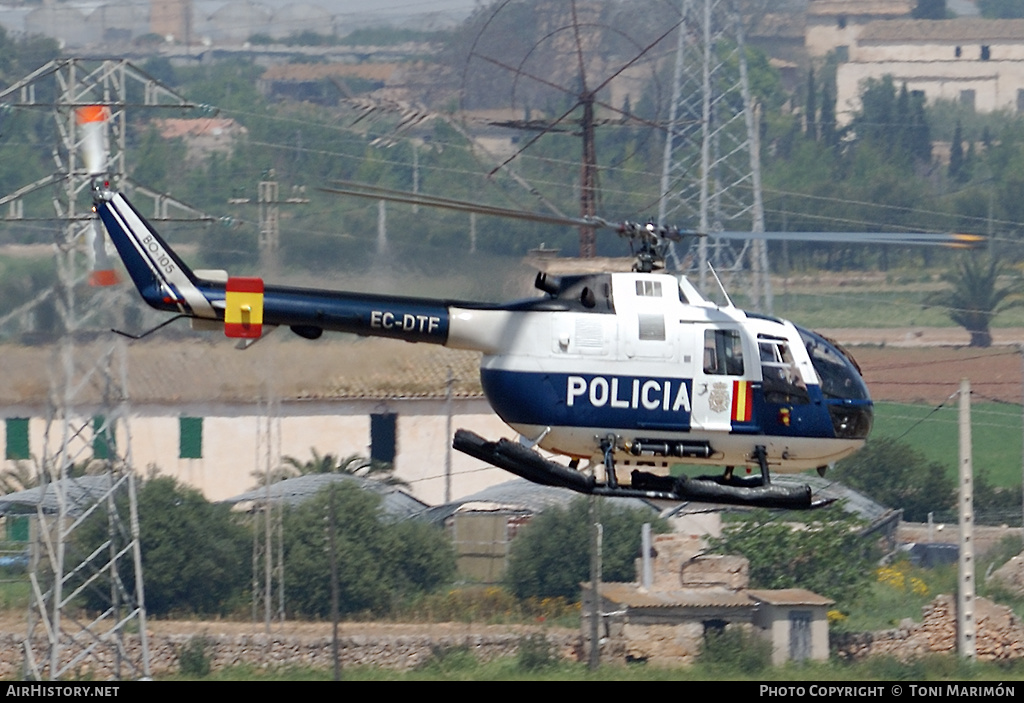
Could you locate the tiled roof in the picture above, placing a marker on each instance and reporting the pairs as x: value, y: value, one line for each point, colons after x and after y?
x: 295, y: 491
x: 519, y: 493
x: 629, y: 595
x: 160, y: 371
x: 788, y: 596
x: 174, y: 127
x: 860, y: 7
x: 968, y: 29
x: 80, y: 494
x: 302, y: 72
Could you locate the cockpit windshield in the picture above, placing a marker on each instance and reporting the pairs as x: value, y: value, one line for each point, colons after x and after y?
x: 836, y: 370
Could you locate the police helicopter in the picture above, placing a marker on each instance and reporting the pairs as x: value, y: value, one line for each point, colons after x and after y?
x: 628, y: 372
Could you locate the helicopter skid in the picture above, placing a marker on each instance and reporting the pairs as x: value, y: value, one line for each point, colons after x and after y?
x: 528, y: 464
x: 786, y: 454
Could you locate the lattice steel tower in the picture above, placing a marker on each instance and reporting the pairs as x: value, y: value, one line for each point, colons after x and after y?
x: 87, y: 535
x: 711, y: 173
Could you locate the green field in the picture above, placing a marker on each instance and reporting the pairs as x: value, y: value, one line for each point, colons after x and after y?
x: 995, y: 430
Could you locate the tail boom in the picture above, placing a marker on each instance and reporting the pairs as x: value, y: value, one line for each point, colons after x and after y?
x: 166, y: 283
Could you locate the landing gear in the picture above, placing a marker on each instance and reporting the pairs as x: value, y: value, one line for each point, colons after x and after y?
x: 761, y: 454
x: 752, y: 492
x: 608, y: 449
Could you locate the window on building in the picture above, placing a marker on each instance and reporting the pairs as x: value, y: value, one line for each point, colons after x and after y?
x: 841, y: 21
x: 842, y: 53
x: 190, y: 438
x: 103, y: 446
x: 383, y: 437
x: 17, y: 438
x: 986, y: 52
x: 958, y: 52
x: 1020, y: 100
x: 18, y: 528
x: 967, y: 98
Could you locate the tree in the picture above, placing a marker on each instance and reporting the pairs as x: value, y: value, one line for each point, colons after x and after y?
x: 1001, y: 9
x: 379, y: 561
x: 195, y: 555
x: 829, y: 130
x: 897, y: 476
x: 812, y: 110
x: 929, y: 10
x: 894, y: 120
x: 827, y: 556
x: 976, y: 296
x: 956, y: 156
x: 551, y: 557
x: 353, y: 464
x: 19, y: 477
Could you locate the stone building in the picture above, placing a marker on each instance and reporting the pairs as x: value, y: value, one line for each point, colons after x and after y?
x: 691, y: 594
x: 976, y: 62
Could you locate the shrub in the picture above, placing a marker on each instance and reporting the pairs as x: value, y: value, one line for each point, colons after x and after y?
x: 193, y: 659
x: 736, y: 649
x: 535, y: 652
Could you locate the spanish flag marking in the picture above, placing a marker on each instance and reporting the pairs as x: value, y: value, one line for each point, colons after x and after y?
x: 243, y: 307
x: 742, y: 401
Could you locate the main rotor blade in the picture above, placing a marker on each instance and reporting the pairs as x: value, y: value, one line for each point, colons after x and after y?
x: 948, y: 239
x: 955, y: 240
x: 360, y: 190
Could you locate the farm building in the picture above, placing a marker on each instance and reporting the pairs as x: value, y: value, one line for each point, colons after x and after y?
x: 209, y: 415
x: 690, y: 595
x: 976, y: 62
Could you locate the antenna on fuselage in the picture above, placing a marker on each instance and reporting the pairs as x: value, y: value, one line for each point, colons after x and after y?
x: 728, y: 300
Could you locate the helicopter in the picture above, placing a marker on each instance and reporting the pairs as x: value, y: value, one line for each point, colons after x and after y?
x: 631, y: 372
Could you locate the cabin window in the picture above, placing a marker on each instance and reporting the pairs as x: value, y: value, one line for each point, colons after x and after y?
x: 648, y: 289
x: 652, y: 327
x: 723, y: 353
x: 782, y: 382
x: 17, y: 438
x: 383, y: 438
x: 190, y: 438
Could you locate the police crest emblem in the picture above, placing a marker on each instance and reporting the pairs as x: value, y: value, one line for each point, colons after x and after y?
x: 718, y: 398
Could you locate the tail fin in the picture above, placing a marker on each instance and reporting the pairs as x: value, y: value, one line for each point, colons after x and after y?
x: 92, y: 125
x: 162, y: 278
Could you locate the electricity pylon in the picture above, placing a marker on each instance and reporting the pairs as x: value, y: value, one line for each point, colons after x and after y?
x: 86, y: 542
x: 712, y: 170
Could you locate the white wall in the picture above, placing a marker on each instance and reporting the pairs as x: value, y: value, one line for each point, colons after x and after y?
x: 232, y: 447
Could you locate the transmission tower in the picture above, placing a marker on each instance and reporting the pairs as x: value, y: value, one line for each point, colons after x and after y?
x: 86, y: 424
x: 268, y: 525
x: 711, y: 170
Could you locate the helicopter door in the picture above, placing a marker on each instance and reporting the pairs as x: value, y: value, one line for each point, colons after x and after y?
x: 722, y: 397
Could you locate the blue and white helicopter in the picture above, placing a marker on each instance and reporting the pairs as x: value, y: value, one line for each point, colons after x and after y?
x: 630, y: 373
